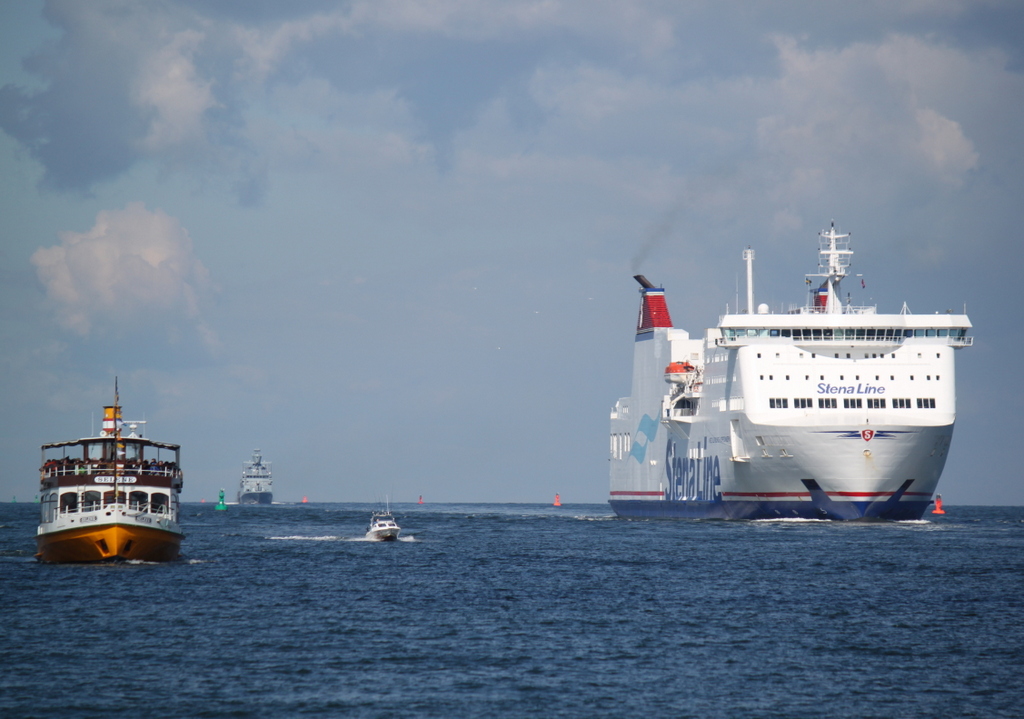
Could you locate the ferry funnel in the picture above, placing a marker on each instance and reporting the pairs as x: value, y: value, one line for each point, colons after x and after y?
x: 653, y: 309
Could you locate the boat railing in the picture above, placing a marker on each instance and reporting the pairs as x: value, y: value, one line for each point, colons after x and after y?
x: 59, y: 469
x: 847, y: 310
x: 95, y: 506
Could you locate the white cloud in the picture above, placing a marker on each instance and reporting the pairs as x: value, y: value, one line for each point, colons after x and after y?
x: 866, y: 108
x: 169, y: 90
x: 132, y: 265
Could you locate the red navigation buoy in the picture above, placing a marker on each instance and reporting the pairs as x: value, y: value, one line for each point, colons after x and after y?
x: 938, y: 505
x: 304, y: 500
x: 421, y: 499
x: 558, y: 501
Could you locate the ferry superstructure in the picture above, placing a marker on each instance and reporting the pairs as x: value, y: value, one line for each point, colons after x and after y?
x: 257, y: 481
x: 827, y: 411
x: 111, y: 497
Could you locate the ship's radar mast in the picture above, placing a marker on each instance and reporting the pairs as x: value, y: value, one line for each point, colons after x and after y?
x: 833, y: 262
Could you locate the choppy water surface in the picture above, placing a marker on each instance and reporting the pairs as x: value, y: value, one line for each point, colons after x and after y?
x: 523, y: 611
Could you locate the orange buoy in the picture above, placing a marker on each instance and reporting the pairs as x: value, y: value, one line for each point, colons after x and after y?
x: 938, y: 505
x: 558, y: 501
x: 304, y: 500
x: 421, y: 499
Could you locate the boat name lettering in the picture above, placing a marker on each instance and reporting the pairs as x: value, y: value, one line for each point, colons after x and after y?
x: 692, y: 479
x: 110, y: 480
x: 859, y: 388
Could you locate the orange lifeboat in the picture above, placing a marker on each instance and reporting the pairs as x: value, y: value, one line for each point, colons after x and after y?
x: 677, y: 371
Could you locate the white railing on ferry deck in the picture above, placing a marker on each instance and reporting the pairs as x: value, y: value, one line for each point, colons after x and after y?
x: 63, y: 470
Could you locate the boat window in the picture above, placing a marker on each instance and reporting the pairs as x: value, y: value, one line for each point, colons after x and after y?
x: 110, y: 498
x: 69, y: 502
x: 787, y: 333
x: 159, y: 501
x: 929, y: 333
x: 94, y: 450
x: 137, y: 499
x: 827, y: 332
x: 751, y: 333
x: 943, y: 333
x: 816, y: 334
x: 133, y: 450
x: 773, y: 333
x: 90, y: 501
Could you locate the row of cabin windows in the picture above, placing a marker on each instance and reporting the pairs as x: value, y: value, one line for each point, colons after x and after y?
x: 92, y: 500
x: 870, y: 334
x: 849, y: 403
x: 856, y: 377
x: 849, y: 355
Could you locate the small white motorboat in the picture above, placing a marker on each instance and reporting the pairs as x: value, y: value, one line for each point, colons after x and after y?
x: 383, y: 527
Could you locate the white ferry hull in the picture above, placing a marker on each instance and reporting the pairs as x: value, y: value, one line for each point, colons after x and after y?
x: 823, y: 474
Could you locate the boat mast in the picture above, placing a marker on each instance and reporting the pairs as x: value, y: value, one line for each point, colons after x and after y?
x: 117, y: 436
x: 833, y: 262
x: 748, y: 257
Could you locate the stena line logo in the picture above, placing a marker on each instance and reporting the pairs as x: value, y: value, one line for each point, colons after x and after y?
x: 692, y: 479
x: 867, y: 434
x: 859, y: 388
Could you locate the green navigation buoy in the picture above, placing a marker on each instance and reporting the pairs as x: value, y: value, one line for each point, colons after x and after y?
x: 220, y: 502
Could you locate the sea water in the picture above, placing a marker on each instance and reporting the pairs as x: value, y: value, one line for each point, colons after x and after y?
x: 522, y: 611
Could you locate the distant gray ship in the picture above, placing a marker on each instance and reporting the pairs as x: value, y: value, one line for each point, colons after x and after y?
x: 256, y: 481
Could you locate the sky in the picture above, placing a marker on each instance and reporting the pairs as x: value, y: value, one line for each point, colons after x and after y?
x: 391, y: 243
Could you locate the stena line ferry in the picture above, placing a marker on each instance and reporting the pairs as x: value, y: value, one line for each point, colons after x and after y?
x: 827, y: 411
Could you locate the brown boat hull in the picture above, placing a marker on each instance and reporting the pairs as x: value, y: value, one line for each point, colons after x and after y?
x: 109, y: 542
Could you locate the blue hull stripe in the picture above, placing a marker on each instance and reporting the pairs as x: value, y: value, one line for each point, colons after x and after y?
x: 769, y: 509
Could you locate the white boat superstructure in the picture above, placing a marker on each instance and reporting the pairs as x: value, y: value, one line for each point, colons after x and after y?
x: 827, y: 410
x: 383, y: 527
